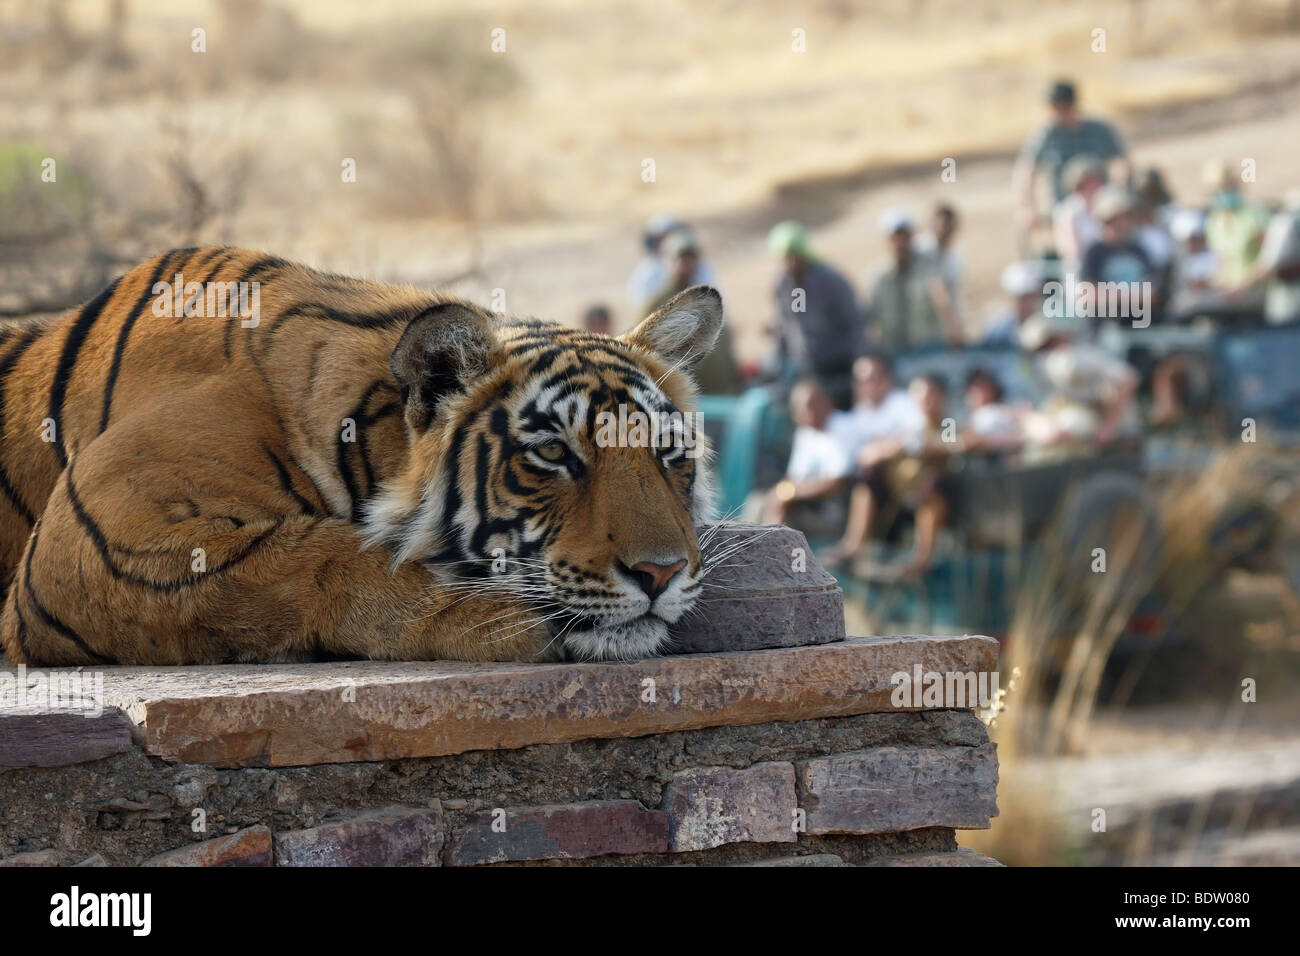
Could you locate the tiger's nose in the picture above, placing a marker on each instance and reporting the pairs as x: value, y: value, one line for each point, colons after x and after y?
x: 654, y: 578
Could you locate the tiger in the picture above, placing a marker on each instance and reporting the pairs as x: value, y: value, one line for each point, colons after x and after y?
x: 337, y: 468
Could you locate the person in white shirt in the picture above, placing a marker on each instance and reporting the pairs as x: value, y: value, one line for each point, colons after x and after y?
x: 821, y: 456
x: 887, y: 423
x: 1196, y: 266
x: 1074, y: 227
x: 880, y: 409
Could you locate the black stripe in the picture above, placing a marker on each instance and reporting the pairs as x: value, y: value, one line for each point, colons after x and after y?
x: 286, y: 481
x: 164, y: 265
x: 359, y: 416
x: 68, y: 359
x: 22, y: 634
x: 165, y: 587
x: 46, y: 617
x: 6, y: 367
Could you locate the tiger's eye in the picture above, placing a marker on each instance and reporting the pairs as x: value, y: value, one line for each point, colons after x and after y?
x: 552, y: 450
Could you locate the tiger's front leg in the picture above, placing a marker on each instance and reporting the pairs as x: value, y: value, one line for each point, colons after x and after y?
x: 210, y: 581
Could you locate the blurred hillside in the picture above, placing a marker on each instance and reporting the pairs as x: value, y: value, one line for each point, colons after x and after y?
x: 472, y: 162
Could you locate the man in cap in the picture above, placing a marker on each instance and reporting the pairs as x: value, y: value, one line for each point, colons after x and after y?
x: 651, y: 272
x: 911, y: 306
x: 716, y: 373
x: 1067, y: 135
x: 818, y: 330
x: 1022, y: 282
x: 1118, y: 261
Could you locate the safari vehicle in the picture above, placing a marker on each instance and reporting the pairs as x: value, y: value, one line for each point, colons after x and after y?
x: 1243, y: 392
x: 1001, y: 513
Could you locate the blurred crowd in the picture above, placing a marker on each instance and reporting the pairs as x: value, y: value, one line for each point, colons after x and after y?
x: 1101, y: 244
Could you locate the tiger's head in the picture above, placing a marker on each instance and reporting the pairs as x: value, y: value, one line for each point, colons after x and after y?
x: 564, y: 467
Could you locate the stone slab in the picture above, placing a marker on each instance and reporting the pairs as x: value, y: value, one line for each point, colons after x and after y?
x: 561, y: 832
x: 31, y: 737
x: 763, y: 588
x: 711, y: 806
x: 250, y: 847
x: 391, y: 836
x: 299, y: 714
x: 888, y: 789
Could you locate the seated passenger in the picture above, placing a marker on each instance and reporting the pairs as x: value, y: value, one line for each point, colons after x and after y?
x: 903, y: 472
x: 1022, y: 282
x: 820, y: 462
x: 994, y: 426
x: 1092, y: 391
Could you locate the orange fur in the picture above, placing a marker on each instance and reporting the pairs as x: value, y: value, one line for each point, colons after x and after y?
x: 198, y: 502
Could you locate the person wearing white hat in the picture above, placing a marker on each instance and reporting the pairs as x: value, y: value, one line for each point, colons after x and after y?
x: 910, y: 305
x: 1196, y: 266
x: 1092, y: 391
x: 1119, y: 260
x: 1074, y: 226
x: 1022, y: 283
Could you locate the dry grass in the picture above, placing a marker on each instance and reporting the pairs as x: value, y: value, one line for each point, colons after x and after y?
x: 1050, y: 715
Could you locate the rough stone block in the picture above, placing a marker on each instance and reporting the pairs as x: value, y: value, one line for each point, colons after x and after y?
x: 392, y: 836
x: 31, y: 737
x: 764, y: 588
x: 33, y: 858
x: 296, y: 714
x: 710, y: 806
x: 251, y: 847
x: 567, y: 831
x: 889, y: 789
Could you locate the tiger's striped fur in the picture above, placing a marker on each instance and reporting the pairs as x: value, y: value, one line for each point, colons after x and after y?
x: 366, y: 471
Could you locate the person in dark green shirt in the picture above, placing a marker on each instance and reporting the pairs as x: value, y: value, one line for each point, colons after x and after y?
x: 1069, y: 134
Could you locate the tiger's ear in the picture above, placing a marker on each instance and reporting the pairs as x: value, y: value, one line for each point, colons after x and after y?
x: 442, y: 351
x: 684, y: 329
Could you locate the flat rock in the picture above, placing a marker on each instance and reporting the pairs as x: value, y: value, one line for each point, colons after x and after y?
x: 763, y: 588
x: 250, y: 847
x: 561, y: 832
x: 887, y: 789
x: 711, y: 806
x: 296, y: 714
x: 33, y: 858
x: 390, y: 836
x: 32, y: 737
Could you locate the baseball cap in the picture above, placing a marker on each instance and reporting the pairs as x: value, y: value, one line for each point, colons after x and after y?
x: 1022, y: 278
x: 788, y: 236
x: 895, y: 219
x: 1112, y: 201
